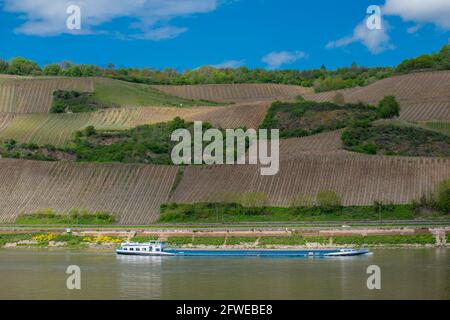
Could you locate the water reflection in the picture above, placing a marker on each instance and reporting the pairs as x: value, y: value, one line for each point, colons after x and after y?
x: 140, y: 276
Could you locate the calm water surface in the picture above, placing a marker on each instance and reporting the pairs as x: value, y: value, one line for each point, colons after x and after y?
x: 406, y: 274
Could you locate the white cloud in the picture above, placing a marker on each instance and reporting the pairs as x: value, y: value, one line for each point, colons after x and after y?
x: 436, y: 12
x: 414, y: 29
x: 229, y: 64
x: 150, y: 18
x: 276, y: 59
x: 376, y: 40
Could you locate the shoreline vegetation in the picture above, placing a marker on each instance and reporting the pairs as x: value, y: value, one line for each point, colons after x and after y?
x: 72, y: 241
x: 320, y: 79
x: 73, y: 217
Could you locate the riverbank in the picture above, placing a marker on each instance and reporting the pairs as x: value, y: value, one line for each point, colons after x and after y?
x: 250, y: 238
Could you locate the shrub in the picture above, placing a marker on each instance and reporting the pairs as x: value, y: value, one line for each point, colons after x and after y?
x: 52, y: 70
x: 11, y: 237
x: 21, y: 66
x: 388, y: 107
x: 443, y: 196
x: 254, y: 199
x: 297, y: 119
x: 3, y: 66
x: 328, y: 201
x: 385, y: 239
x: 339, y: 98
x: 288, y: 240
x: 394, y: 139
x: 89, y: 131
x: 317, y: 239
x: 379, y: 206
x: 438, y: 200
x: 74, y: 101
x: 141, y: 239
x: 302, y: 201
x: 49, y: 216
x: 209, y: 241
x: 179, y: 240
x: 41, y: 238
x: 240, y: 240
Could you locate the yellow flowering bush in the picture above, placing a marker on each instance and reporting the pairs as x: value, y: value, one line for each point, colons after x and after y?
x: 44, y: 237
x: 102, y: 239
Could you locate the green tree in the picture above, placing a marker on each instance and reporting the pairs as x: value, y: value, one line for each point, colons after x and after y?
x: 52, y: 70
x: 302, y: 201
x: 3, y: 66
x: 89, y: 131
x: 21, y: 66
x: 388, y: 107
x: 339, y: 98
x: 328, y: 201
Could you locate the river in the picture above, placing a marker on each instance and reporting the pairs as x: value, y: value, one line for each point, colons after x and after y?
x: 405, y: 274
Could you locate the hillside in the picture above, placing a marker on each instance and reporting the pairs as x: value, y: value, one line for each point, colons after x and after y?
x: 423, y: 96
x: 236, y: 92
x: 27, y: 95
x: 134, y: 94
x: 133, y: 193
x: 358, y: 179
x: 394, y: 139
x: 58, y: 129
x: 35, y: 95
x: 298, y: 119
x: 322, y: 143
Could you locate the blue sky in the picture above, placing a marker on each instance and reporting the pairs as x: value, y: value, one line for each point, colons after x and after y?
x: 277, y: 34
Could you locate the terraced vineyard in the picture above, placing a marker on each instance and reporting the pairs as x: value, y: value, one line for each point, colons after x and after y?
x: 236, y: 92
x: 35, y: 95
x: 24, y: 95
x: 423, y: 96
x: 358, y: 179
x: 433, y: 111
x: 133, y: 193
x: 443, y: 127
x: 5, y: 120
x: 328, y: 142
x: 58, y: 129
x: 136, y: 95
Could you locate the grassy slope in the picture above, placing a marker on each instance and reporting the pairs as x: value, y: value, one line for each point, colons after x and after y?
x: 133, y: 94
x: 443, y: 127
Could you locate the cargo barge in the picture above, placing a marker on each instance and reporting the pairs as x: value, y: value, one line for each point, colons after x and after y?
x: 158, y: 248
